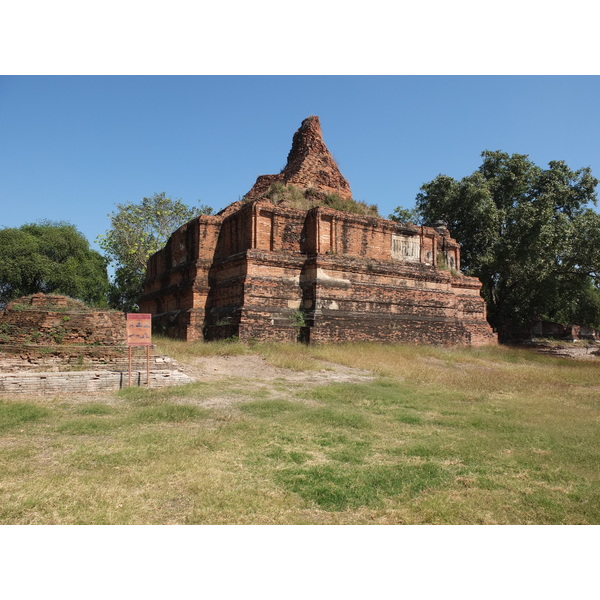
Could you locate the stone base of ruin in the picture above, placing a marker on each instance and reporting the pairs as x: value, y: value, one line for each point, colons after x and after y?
x: 85, y: 382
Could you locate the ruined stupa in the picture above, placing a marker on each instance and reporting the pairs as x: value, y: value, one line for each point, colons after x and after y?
x: 268, y: 268
x: 310, y: 166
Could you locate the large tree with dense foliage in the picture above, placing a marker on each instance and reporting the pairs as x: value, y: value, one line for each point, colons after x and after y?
x: 51, y: 257
x: 528, y: 233
x: 138, y: 231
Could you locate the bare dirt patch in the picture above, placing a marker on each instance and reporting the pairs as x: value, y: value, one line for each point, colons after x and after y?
x: 253, y: 367
x: 255, y: 374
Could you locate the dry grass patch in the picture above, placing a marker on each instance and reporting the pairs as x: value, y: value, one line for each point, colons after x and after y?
x: 285, y: 356
x: 490, y: 435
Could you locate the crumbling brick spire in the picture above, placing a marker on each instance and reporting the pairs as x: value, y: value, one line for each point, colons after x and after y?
x: 310, y: 166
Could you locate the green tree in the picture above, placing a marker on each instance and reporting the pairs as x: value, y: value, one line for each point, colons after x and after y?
x: 405, y: 215
x: 528, y: 233
x: 51, y: 257
x: 138, y: 231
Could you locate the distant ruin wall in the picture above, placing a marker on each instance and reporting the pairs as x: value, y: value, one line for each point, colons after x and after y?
x: 549, y: 330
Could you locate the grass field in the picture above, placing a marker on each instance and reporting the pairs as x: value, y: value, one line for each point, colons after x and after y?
x: 437, y: 435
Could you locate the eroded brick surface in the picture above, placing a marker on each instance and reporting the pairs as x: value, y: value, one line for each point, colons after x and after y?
x: 51, y: 344
x: 264, y: 271
x: 49, y: 320
x: 309, y: 166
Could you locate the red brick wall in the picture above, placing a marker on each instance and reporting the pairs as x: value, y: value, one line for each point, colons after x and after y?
x: 55, y: 320
x: 339, y: 270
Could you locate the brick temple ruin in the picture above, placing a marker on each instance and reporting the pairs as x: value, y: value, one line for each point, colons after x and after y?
x: 284, y: 263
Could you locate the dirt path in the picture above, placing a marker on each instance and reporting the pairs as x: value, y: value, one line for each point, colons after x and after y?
x: 256, y: 368
x: 249, y: 374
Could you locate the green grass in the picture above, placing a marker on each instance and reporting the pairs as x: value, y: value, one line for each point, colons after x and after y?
x: 269, y: 408
x: 94, y: 409
x: 169, y: 413
x: 441, y: 435
x: 17, y: 414
x: 340, y: 487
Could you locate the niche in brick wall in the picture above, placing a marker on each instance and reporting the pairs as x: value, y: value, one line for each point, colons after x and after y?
x: 264, y: 231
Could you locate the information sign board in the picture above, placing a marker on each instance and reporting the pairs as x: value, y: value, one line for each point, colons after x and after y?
x: 139, y: 329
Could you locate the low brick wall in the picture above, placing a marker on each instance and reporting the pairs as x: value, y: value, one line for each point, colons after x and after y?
x: 73, y: 358
x: 56, y: 320
x: 85, y: 381
x: 52, y: 344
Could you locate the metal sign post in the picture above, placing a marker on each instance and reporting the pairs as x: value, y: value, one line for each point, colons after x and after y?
x: 139, y: 333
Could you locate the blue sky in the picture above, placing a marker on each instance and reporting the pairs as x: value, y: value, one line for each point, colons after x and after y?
x: 71, y: 147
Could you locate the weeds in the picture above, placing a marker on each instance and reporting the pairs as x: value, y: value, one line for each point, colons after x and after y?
x: 169, y: 413
x: 292, y: 197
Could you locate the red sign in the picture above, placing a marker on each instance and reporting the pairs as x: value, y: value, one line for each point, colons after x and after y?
x: 139, y: 329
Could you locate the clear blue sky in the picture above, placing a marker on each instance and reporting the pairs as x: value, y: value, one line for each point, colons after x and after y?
x: 71, y: 147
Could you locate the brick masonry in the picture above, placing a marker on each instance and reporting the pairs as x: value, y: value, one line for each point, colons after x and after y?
x: 84, y: 381
x: 263, y: 271
x: 309, y: 166
x: 50, y: 320
x: 14, y: 358
x: 52, y: 344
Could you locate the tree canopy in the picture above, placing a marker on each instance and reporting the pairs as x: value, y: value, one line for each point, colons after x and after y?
x: 51, y: 257
x: 138, y: 231
x: 528, y: 233
x: 405, y: 215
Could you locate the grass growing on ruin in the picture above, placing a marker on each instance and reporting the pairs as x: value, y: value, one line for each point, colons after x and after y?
x: 292, y: 197
x: 440, y: 435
